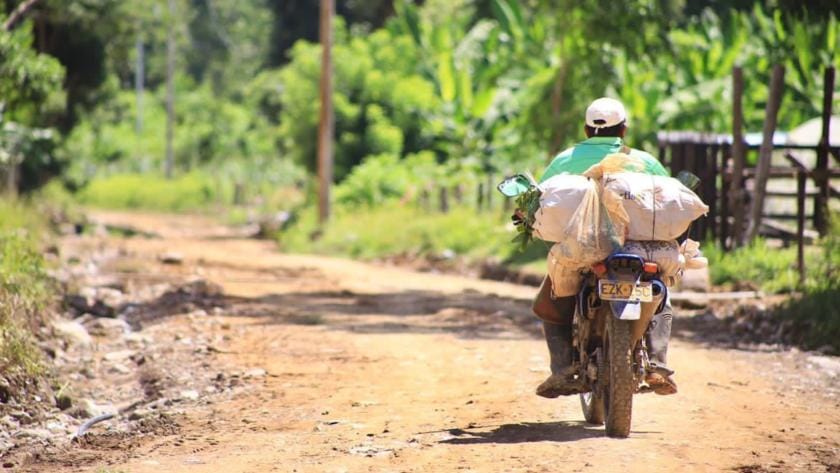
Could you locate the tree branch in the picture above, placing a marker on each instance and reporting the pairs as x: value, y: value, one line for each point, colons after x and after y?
x: 17, y: 15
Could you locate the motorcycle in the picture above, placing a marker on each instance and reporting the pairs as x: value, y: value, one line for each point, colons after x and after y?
x: 615, y: 306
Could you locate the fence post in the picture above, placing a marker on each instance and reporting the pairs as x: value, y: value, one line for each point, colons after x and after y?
x: 725, y: 191
x: 800, y: 224
x: 490, y: 189
x: 425, y: 200
x: 736, y: 201
x: 765, y: 153
x: 480, y: 196
x: 821, y: 171
x: 444, y: 199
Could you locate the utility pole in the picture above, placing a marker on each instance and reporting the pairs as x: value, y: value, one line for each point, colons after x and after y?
x: 325, y: 126
x: 170, y: 90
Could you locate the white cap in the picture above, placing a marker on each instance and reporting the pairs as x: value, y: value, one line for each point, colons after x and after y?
x: 605, y: 112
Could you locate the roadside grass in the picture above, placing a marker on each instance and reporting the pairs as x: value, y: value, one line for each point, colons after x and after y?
x: 25, y: 288
x: 396, y: 229
x: 771, y: 269
x: 816, y: 311
x: 192, y: 191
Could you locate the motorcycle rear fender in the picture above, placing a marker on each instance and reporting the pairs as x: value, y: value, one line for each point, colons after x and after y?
x: 623, y: 310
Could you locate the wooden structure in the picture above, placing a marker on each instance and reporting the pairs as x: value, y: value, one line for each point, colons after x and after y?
x: 729, y: 182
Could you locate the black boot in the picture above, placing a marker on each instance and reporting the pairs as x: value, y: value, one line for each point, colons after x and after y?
x: 562, y: 380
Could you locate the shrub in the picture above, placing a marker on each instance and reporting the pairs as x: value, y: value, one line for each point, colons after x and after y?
x: 771, y: 269
x: 134, y: 191
x: 25, y: 288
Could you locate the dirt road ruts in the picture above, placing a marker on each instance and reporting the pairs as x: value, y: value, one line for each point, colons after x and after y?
x: 373, y: 368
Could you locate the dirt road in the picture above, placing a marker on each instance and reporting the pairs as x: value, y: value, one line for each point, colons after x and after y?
x: 373, y: 368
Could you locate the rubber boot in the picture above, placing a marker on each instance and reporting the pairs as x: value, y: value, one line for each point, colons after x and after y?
x: 657, y: 338
x: 562, y: 380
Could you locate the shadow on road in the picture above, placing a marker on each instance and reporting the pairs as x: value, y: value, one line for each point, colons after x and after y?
x: 526, y: 432
x: 468, y: 314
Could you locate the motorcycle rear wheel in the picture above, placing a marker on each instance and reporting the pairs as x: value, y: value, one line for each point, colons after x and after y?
x: 622, y: 382
x: 592, y: 403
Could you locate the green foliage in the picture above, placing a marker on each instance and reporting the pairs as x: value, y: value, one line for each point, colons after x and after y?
x: 147, y: 191
x: 692, y: 89
x: 529, y: 203
x: 815, y: 314
x: 27, y: 79
x: 209, y: 131
x: 380, y: 179
x: 397, y: 229
x: 771, y: 269
x: 24, y: 287
x: 30, y: 88
x: 381, y: 103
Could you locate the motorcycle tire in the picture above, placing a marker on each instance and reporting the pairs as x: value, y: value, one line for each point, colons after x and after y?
x: 592, y: 403
x: 622, y: 382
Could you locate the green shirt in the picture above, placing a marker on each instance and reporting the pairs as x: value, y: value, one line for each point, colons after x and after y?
x: 579, y: 158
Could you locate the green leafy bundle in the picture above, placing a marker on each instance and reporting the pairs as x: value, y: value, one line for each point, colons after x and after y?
x: 527, y: 203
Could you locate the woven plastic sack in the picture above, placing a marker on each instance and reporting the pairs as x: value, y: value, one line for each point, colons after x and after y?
x: 664, y: 253
x: 658, y: 207
x: 561, y: 196
x: 572, y: 214
x: 565, y: 276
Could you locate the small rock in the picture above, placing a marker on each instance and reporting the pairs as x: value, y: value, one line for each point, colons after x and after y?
x: 120, y: 369
x: 86, y: 408
x: 102, y: 327
x: 137, y: 340
x: 22, y: 417
x: 56, y: 427
x: 189, y: 395
x: 171, y: 257
x: 35, y: 433
x: 139, y: 414
x: 254, y: 373
x: 117, y: 356
x: 63, y: 401
x: 74, y: 332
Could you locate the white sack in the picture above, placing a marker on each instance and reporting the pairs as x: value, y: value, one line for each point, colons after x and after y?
x: 694, y: 259
x: 658, y: 207
x: 560, y: 199
x: 572, y: 214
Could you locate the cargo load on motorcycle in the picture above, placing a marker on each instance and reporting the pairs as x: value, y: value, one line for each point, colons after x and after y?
x: 613, y: 206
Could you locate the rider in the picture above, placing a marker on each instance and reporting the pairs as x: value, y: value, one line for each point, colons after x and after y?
x: 605, y: 126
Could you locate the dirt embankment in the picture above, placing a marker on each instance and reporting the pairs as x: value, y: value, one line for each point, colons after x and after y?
x: 302, y: 363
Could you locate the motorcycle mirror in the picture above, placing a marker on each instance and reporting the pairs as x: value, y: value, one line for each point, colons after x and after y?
x: 514, y: 185
x: 689, y: 180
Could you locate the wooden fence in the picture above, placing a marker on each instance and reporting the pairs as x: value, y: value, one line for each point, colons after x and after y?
x: 730, y: 185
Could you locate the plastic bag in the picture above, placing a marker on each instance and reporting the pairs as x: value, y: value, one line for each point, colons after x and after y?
x: 658, y: 207
x: 615, y: 163
x: 693, y: 259
x: 572, y: 214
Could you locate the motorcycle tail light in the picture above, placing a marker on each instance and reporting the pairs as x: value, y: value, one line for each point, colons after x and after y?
x: 599, y: 269
x: 651, y: 268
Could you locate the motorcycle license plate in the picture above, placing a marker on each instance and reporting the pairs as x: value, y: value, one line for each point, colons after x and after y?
x: 625, y: 291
